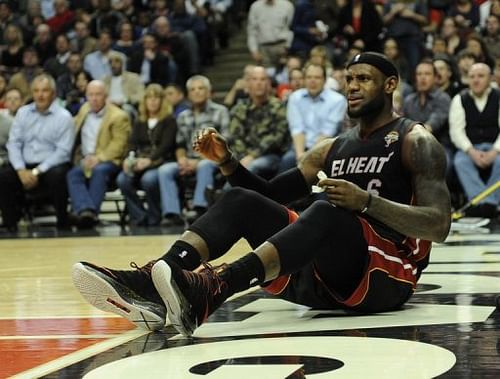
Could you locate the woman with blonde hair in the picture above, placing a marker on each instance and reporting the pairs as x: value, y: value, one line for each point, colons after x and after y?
x: 152, y: 143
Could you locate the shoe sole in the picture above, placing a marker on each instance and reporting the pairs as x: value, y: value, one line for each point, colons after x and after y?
x: 98, y: 291
x: 177, y: 305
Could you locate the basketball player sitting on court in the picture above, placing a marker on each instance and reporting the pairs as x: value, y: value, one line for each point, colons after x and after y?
x: 363, y: 249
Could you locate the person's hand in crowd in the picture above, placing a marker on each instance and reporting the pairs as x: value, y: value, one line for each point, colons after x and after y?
x: 478, y: 157
x: 90, y: 161
x: 149, y: 54
x: 257, y: 57
x: 239, y: 84
x: 182, y: 163
x: 462, y: 21
x: 187, y: 166
x: 490, y: 156
x: 141, y: 164
x: 28, y: 180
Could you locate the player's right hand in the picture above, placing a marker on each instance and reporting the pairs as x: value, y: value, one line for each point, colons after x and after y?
x: 210, y: 144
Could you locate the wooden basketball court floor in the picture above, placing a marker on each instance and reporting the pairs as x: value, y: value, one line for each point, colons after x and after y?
x: 449, y: 329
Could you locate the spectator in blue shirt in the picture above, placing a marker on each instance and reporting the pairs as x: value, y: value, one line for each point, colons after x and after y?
x: 97, y: 63
x: 314, y: 113
x: 39, y: 147
x: 174, y: 94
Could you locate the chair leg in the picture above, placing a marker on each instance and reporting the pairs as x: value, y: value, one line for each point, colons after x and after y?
x: 122, y: 213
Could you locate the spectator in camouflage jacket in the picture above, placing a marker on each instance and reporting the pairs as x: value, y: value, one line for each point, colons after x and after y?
x: 258, y: 130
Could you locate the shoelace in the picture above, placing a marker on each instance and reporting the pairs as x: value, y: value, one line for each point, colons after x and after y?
x: 213, y: 272
x: 146, y: 269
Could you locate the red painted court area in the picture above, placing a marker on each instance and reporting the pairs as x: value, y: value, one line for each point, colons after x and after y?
x: 38, y: 341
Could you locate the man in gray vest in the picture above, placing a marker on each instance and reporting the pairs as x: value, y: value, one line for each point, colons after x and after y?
x: 474, y: 120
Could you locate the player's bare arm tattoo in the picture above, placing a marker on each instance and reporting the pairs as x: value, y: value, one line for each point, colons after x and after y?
x: 429, y: 218
x: 314, y: 160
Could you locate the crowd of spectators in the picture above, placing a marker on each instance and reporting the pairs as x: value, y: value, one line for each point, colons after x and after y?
x: 439, y: 46
x: 114, y: 92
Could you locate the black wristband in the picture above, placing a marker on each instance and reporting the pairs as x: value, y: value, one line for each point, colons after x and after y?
x: 368, y: 203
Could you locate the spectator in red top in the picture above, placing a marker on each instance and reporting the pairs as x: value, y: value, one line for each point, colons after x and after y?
x: 3, y: 91
x: 295, y: 81
x: 64, y: 18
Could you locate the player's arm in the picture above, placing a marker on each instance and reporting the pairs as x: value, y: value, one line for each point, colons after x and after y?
x: 314, y: 160
x: 430, y: 217
x: 284, y: 188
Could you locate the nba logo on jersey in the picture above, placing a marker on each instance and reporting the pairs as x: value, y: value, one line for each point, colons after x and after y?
x: 356, y: 58
x: 391, y: 137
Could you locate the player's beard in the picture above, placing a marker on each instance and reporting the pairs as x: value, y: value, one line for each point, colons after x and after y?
x: 372, y: 108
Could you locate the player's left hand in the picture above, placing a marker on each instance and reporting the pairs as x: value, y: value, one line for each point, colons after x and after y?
x: 344, y: 193
x: 211, y: 145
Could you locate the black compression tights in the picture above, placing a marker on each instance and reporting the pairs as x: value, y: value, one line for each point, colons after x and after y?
x: 330, y: 236
x: 240, y: 213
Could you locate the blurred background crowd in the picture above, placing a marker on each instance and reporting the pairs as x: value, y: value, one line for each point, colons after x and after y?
x: 104, y: 94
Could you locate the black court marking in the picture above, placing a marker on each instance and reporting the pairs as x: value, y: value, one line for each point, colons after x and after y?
x: 461, y: 262
x: 426, y: 287
x: 476, y: 357
x: 471, y: 243
x: 145, y: 321
x: 310, y: 364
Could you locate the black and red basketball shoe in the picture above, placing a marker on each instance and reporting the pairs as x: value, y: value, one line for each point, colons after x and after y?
x: 128, y: 293
x: 190, y: 297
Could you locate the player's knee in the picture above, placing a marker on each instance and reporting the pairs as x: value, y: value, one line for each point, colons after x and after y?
x: 241, y: 201
x: 239, y: 196
x: 323, y: 209
x: 321, y: 212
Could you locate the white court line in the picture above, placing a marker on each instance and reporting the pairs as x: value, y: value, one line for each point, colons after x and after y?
x: 60, y: 337
x: 104, y: 315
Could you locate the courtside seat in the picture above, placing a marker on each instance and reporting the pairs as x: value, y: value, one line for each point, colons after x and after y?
x: 116, y: 198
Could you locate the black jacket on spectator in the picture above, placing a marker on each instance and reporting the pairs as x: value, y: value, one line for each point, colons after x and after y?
x: 12, y: 61
x: 175, y: 47
x: 159, y: 67
x: 54, y: 67
x: 157, y: 144
x: 64, y: 84
x: 105, y: 20
x: 45, y: 51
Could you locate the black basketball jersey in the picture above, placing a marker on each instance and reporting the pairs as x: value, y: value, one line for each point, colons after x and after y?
x: 374, y: 164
